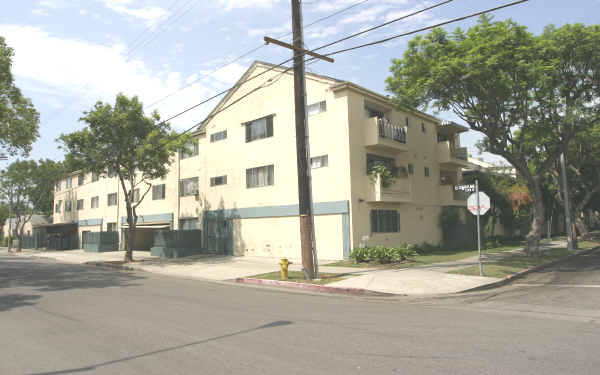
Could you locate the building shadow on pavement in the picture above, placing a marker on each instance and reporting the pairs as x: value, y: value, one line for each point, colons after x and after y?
x: 44, y: 276
x: 11, y: 301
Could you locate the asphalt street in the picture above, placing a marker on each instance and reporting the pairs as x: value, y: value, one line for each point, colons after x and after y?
x: 69, y: 319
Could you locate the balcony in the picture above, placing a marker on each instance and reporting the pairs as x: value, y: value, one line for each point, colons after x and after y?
x: 449, y: 196
x: 380, y: 133
x: 398, y: 192
x: 450, y: 156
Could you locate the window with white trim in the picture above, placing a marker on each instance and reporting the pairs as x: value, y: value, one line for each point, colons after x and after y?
x: 219, y: 180
x: 57, y: 206
x: 188, y: 186
x: 319, y: 162
x: 218, y: 136
x: 111, y: 227
x: 260, y: 176
x: 259, y: 129
x: 189, y: 224
x: 95, y: 202
x: 316, y: 108
x: 69, y: 182
x: 68, y: 206
x: 80, y: 204
x: 385, y: 221
x: 190, y: 149
x: 158, y: 192
x: 111, y: 199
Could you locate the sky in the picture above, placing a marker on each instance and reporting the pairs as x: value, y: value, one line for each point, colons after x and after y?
x: 71, y: 53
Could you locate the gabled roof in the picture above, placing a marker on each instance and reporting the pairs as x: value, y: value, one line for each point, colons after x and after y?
x: 256, y: 64
x: 336, y: 84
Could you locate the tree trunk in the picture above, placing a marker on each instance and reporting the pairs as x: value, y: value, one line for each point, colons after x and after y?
x: 20, y: 237
x: 582, y: 228
x: 132, y: 223
x: 535, y: 233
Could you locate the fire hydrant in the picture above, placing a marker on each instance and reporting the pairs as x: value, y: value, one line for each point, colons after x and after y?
x: 284, y: 268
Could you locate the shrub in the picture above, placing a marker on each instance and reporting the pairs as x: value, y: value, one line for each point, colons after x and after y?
x: 383, y: 254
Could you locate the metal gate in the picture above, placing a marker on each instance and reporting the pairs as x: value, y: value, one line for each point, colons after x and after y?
x: 218, y: 231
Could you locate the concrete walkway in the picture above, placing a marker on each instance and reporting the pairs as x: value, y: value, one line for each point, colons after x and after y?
x: 428, y: 279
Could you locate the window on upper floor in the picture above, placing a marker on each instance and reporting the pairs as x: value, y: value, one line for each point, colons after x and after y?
x: 158, y: 192
x: 389, y: 163
x: 319, y: 162
x: 189, y: 224
x: 69, y: 182
x: 80, y: 179
x: 385, y: 221
x: 136, y: 195
x: 260, y: 176
x: 259, y: 129
x: 80, y: 204
x: 190, y: 149
x: 111, y: 199
x: 188, y: 186
x: 316, y: 108
x: 95, y: 176
x: 218, y: 136
x: 57, y: 206
x: 68, y: 206
x: 219, y: 180
x: 95, y: 202
x: 411, y: 169
x: 112, y: 172
x: 426, y: 171
x: 111, y: 227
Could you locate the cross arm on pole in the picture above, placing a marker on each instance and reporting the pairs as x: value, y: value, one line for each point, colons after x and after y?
x: 302, y: 50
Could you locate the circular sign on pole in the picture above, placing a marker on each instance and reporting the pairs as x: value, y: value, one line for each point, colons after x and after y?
x: 484, y: 203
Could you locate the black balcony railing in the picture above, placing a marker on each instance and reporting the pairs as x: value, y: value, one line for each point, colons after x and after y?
x: 387, y: 130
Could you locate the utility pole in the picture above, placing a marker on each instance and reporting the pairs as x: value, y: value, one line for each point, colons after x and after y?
x: 305, y: 203
x: 307, y: 240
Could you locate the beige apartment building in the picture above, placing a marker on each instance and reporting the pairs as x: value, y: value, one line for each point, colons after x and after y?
x: 239, y: 185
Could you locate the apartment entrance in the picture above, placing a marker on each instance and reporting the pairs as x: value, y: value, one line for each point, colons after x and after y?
x: 218, y: 231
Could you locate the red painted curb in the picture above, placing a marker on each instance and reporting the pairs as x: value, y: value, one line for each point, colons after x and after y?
x: 313, y: 287
x: 518, y: 275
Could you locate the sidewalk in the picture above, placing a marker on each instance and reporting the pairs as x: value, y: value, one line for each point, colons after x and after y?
x: 428, y: 279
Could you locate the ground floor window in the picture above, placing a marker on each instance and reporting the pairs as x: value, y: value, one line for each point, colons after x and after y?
x: 189, y: 224
x: 385, y: 221
x: 111, y: 227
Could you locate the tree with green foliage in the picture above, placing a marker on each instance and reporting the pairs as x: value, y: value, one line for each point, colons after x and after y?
x: 18, y: 118
x: 27, y: 186
x: 121, y: 139
x: 526, y: 94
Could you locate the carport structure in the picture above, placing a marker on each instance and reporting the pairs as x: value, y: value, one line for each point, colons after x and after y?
x: 145, y: 228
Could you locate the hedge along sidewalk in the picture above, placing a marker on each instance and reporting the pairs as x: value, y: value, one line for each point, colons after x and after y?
x: 430, y: 258
x: 507, y: 266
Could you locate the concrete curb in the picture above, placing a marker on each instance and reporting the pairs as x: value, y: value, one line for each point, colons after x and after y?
x: 518, y: 275
x: 314, y: 288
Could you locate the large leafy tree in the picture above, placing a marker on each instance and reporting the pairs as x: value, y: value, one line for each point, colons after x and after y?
x: 525, y: 93
x: 18, y: 118
x: 27, y: 187
x: 122, y: 139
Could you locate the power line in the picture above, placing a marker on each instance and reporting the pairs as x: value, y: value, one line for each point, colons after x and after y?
x: 341, y: 51
x: 149, y: 27
x: 249, y: 52
x: 425, y: 28
x: 171, y: 20
x: 316, y: 49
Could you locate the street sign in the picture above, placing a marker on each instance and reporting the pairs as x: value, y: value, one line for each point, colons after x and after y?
x: 469, y: 188
x: 484, y: 203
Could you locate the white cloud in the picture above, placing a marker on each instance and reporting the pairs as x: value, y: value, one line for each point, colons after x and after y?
x: 150, y: 14
x: 322, y: 32
x: 87, y: 72
x: 233, y: 4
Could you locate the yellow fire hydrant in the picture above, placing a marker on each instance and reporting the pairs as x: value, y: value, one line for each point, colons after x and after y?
x: 284, y: 268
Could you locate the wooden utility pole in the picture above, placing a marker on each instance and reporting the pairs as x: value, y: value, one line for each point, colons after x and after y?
x: 307, y: 224
x: 307, y: 240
